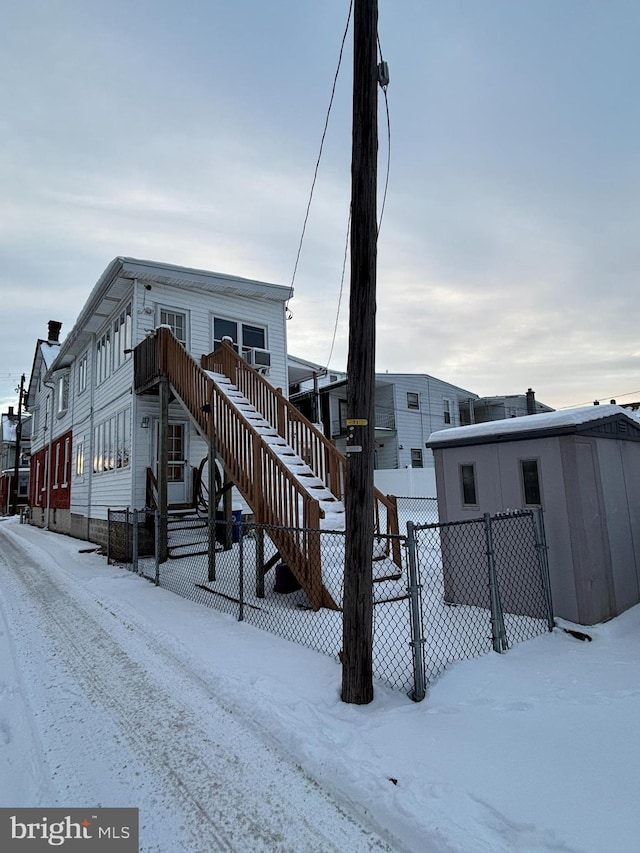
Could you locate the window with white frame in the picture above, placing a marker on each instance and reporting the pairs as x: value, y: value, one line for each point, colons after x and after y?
x: 66, y: 463
x: 112, y: 443
x: 56, y: 467
x: 82, y: 373
x: 177, y: 322
x: 80, y: 458
x: 103, y: 357
x: 122, y: 337
x: 446, y: 411
x: 246, y: 336
x: 63, y: 393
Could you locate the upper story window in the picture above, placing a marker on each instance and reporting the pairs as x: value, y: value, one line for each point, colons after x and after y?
x: 530, y: 482
x: 103, y: 357
x: 177, y: 321
x: 122, y: 337
x: 468, y: 484
x: 446, y: 411
x: 63, y: 393
x: 416, y: 457
x: 113, y: 348
x: 244, y: 335
x: 413, y: 400
x: 82, y: 373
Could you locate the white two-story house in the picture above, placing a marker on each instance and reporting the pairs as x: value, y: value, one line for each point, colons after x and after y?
x: 94, y: 440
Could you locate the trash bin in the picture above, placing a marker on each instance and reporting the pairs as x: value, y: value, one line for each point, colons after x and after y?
x: 236, y: 515
x: 285, y: 581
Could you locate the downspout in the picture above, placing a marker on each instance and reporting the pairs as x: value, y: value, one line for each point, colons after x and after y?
x: 47, y: 471
x: 90, y: 454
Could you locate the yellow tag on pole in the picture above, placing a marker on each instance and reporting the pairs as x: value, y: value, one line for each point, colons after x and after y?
x: 357, y: 421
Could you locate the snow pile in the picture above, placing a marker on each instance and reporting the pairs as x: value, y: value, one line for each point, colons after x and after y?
x: 116, y: 693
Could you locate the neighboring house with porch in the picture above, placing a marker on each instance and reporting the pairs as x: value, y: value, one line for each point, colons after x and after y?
x: 408, y: 408
x: 95, y: 441
x: 582, y: 466
x: 10, y: 437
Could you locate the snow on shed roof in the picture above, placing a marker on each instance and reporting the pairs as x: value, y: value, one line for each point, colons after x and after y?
x: 567, y: 420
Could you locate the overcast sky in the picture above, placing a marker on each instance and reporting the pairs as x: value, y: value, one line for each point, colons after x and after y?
x: 187, y: 132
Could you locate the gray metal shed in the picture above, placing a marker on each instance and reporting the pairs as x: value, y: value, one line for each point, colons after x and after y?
x: 583, y: 467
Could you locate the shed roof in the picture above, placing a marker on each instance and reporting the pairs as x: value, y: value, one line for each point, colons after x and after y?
x: 582, y: 420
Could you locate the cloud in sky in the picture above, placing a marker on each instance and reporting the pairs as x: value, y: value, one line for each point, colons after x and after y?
x: 187, y: 132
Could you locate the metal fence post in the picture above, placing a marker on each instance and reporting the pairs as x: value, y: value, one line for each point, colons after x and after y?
x: 414, y: 588
x: 156, y: 532
x: 543, y: 557
x: 498, y: 633
x: 108, y: 537
x: 136, y: 544
x: 241, y: 573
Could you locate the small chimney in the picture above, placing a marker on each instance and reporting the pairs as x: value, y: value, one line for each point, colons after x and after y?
x: 10, y: 412
x: 54, y: 332
x: 531, y: 402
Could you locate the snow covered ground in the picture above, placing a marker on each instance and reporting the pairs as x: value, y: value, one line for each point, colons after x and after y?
x: 116, y: 693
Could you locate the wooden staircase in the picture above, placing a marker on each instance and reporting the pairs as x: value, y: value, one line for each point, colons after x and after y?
x: 296, y: 500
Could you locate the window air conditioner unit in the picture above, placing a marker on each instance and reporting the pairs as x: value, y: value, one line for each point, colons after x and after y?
x: 260, y: 358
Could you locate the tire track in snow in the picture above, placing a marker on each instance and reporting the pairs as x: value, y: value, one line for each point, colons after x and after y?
x: 210, y: 770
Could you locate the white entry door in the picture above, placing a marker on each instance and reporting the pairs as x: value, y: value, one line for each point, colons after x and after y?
x: 177, y: 474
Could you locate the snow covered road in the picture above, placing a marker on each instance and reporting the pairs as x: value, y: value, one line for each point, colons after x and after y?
x: 117, y: 716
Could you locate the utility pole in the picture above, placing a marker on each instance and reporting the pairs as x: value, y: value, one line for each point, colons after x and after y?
x: 357, y: 651
x: 16, y: 469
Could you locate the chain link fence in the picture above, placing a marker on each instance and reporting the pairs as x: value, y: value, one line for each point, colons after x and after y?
x: 417, y: 510
x: 484, y: 584
x: 462, y: 589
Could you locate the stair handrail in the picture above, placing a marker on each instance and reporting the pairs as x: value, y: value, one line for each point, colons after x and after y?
x: 322, y: 456
x: 276, y: 497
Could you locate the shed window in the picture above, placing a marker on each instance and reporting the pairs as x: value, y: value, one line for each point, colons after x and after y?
x: 530, y: 481
x: 413, y: 400
x: 468, y: 482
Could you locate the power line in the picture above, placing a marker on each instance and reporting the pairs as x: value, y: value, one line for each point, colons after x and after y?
x: 600, y: 399
x: 384, y: 87
x: 315, y: 173
x: 344, y: 267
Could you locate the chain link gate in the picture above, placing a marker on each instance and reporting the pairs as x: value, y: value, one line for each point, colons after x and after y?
x: 484, y: 585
